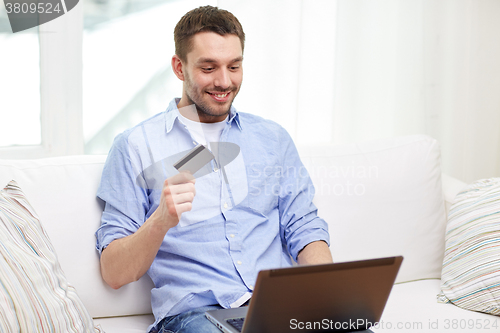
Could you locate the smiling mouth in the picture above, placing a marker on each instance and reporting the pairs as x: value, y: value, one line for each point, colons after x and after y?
x: 220, y: 97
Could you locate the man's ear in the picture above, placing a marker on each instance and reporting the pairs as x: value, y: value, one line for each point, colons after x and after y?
x: 177, y: 67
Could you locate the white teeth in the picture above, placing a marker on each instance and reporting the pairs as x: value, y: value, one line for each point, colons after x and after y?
x: 221, y: 96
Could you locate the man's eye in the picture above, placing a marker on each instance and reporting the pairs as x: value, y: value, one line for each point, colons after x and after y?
x: 234, y: 68
x: 207, y: 69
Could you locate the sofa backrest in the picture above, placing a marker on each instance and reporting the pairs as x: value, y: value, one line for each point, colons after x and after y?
x: 382, y: 198
x: 63, y: 192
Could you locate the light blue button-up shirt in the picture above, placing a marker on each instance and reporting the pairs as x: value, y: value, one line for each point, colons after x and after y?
x: 252, y: 210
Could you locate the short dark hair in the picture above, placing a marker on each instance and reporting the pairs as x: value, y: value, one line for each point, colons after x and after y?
x: 201, y: 19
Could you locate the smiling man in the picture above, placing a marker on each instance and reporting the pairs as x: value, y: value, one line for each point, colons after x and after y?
x: 212, y: 73
x: 203, y: 237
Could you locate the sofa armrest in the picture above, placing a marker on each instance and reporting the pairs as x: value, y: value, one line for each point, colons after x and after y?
x: 451, y: 187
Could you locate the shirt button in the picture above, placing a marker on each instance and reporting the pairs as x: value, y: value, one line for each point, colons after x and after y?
x: 251, y: 287
x: 216, y: 169
x: 232, y: 236
x: 225, y: 205
x: 239, y: 262
x: 194, y: 143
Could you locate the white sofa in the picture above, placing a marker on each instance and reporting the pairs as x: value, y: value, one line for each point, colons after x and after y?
x: 380, y: 198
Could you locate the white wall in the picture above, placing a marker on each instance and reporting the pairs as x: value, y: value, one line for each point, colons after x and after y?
x: 335, y: 71
x: 353, y: 70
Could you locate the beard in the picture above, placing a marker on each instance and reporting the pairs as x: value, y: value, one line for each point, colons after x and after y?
x: 206, y: 108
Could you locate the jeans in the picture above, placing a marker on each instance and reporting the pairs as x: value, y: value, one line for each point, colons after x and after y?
x: 194, y: 321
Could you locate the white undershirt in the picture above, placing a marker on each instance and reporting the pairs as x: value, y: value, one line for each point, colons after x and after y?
x: 204, y: 132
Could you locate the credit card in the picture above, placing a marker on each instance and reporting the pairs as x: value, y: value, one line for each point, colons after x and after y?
x: 194, y: 160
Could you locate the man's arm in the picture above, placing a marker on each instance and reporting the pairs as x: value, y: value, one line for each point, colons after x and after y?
x: 315, y: 253
x: 305, y: 234
x: 127, y: 259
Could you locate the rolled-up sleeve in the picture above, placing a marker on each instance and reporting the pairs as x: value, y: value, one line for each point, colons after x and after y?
x: 126, y: 203
x: 300, y: 224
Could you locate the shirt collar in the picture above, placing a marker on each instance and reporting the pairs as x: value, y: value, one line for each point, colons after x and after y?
x: 172, y: 113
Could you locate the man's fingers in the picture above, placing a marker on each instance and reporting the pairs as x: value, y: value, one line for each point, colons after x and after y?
x: 180, y: 189
x: 183, y: 198
x: 178, y: 204
x: 178, y: 194
x: 182, y: 208
x: 178, y: 209
x: 180, y: 178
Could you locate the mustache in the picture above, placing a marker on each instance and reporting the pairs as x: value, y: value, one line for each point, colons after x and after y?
x: 215, y: 89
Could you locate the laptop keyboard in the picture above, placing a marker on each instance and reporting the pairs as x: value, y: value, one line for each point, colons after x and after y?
x: 236, y: 323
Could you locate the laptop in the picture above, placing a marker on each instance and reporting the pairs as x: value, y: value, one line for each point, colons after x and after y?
x: 343, y: 297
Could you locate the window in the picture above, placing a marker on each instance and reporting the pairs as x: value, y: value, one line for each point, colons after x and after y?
x: 42, y: 105
x: 127, y: 77
x: 19, y: 85
x: 100, y: 68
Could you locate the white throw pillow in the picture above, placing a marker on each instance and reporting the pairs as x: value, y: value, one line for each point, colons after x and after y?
x: 34, y: 293
x: 470, y: 277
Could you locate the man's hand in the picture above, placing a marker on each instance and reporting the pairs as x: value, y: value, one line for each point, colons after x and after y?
x: 127, y: 259
x: 176, y: 198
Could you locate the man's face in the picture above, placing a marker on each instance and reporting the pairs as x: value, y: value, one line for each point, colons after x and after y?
x: 212, y: 75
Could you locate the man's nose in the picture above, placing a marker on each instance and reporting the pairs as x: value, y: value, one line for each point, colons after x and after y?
x: 222, y: 79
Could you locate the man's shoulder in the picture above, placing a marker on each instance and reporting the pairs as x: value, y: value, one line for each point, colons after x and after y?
x: 263, y: 129
x: 252, y: 120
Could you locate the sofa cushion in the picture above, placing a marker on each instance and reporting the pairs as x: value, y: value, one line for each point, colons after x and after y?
x: 35, y: 295
x: 63, y: 191
x: 471, y: 265
x: 382, y: 198
x: 412, y: 308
